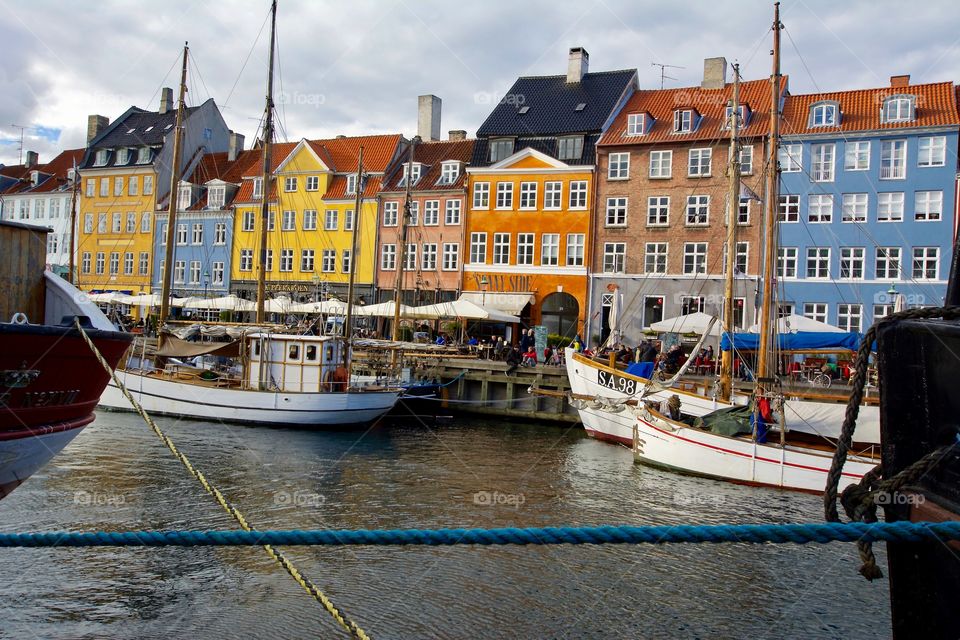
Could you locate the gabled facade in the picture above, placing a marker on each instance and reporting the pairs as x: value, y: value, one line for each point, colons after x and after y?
x: 126, y: 179
x: 531, y: 191
x: 867, y: 201
x: 661, y: 216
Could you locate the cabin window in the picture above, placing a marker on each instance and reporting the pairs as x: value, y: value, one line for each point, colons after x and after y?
x: 293, y: 352
x: 256, y: 350
x: 311, y: 353
x: 329, y: 353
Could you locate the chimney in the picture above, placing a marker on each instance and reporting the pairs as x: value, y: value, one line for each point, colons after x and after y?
x: 32, y: 160
x: 456, y: 135
x: 714, y: 73
x: 900, y: 81
x: 166, y: 100
x: 235, y: 145
x: 95, y: 126
x: 428, y: 117
x: 577, y: 65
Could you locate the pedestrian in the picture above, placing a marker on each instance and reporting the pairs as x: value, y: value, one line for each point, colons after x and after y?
x: 514, y: 358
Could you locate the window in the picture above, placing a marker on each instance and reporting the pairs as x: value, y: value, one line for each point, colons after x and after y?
x: 197, y: 235
x: 102, y: 223
x: 619, y: 167
x: 85, y: 262
x: 691, y: 304
x: 658, y: 211
x: 246, y: 260
x: 850, y: 317
x: 348, y: 220
x: 310, y: 219
x: 821, y: 159
x: 789, y: 208
x: 888, y: 263
x: 451, y: 213
x: 504, y: 195
x: 818, y: 262
x: 820, y: 208
x: 328, y: 260
x: 854, y: 207
x: 257, y: 188
x: 528, y: 196
x: 893, y: 159
x: 740, y: 259
x: 481, y: 195
x: 268, y: 261
x: 787, y: 262
x: 746, y: 160
x: 552, y: 195
x: 570, y: 147
x: 249, y: 219
x: 823, y: 115
x: 881, y: 311
x: 410, y: 257
x: 851, y: 263
x: 636, y: 124
x: 346, y: 261
x: 550, y: 249
x: 698, y: 163
x: 162, y: 228
x: 52, y: 246
x: 501, y: 248
x: 790, y: 157
x: 290, y: 184
x: 91, y: 187
x: 741, y: 115
x: 104, y: 187
x: 500, y: 149
x: 352, y: 180
x: 897, y: 109
x: 117, y: 222
x: 306, y: 260
x: 101, y: 158
x: 682, y: 121
x: 449, y: 172
x: 55, y: 207
x: 695, y: 257
x: 194, y: 272
x: 220, y: 233
x: 414, y: 213
x: 614, y: 257
x: 88, y: 223
x: 578, y: 194
x: 123, y: 156
x: 429, y: 260
x: 133, y: 185
x: 286, y: 260
x: 289, y: 221
x: 926, y: 263
x: 271, y: 220
x: 661, y: 164
x: 313, y: 183
x: 525, y: 248
x: 114, y: 263
x: 217, y: 271
x: 889, y: 207
x: 856, y: 156
x: 331, y: 220
x: 179, y: 271
x: 815, y: 311
x: 147, y: 185
x: 655, y: 257
x: 131, y: 222
x: 743, y: 211
x: 100, y: 263
x: 932, y: 152
x: 184, y: 197
x: 478, y: 247
x: 181, y: 234
x: 390, y: 211
x: 575, y: 243
x: 698, y: 211
x: 451, y: 256
x: 616, y: 212
x: 144, y: 263
x: 143, y: 156
x: 928, y: 205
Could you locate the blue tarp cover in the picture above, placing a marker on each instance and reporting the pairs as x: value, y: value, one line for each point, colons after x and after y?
x: 641, y: 369
x: 796, y: 341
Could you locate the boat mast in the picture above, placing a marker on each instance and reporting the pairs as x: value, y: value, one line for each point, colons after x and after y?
x: 770, y: 211
x: 348, y: 321
x: 265, y: 176
x: 402, y: 253
x: 73, y: 223
x: 733, y: 210
x: 172, y: 204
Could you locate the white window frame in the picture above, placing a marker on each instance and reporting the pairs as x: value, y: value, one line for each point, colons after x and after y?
x: 891, y: 259
x: 451, y: 211
x: 928, y: 206
x: 822, y: 162
x: 575, y: 249
x: 550, y: 249
x: 852, y: 260
x: 817, y: 259
x: 697, y: 211
x: 578, y: 195
x: 695, y: 257
x: 614, y: 257
x: 890, y: 206
x: 658, y: 211
x: 820, y: 208
x: 893, y: 159
x: 504, y: 196
x: 856, y: 155
x: 661, y: 164
x: 451, y: 256
x: 481, y: 195
x: 616, y: 211
x: 478, y: 247
x: 932, y: 151
x: 618, y: 166
x: 854, y: 208
x: 528, y: 196
x: 699, y: 162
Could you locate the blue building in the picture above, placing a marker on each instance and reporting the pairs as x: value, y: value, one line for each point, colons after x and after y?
x: 867, y: 201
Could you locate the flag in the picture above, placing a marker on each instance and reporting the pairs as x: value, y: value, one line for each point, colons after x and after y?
x: 748, y: 193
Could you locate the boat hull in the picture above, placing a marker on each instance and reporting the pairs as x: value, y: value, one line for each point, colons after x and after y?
x: 24, y: 451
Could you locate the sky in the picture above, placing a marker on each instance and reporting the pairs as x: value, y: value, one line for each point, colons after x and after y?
x: 357, y: 67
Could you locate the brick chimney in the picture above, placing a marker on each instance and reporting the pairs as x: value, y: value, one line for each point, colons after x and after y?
x: 714, y: 73
x: 32, y: 160
x: 428, y: 117
x: 166, y: 100
x: 95, y: 126
x: 234, y: 145
x: 456, y: 135
x: 900, y: 81
x: 578, y: 64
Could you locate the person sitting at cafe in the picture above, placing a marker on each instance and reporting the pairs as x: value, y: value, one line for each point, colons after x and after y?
x: 530, y: 357
x: 649, y: 353
x: 472, y: 341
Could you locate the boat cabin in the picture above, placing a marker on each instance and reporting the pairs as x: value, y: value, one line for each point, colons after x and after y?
x: 293, y: 363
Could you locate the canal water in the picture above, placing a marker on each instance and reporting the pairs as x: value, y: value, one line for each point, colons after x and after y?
x: 470, y: 473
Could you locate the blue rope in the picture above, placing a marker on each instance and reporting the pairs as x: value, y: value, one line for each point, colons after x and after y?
x: 821, y: 532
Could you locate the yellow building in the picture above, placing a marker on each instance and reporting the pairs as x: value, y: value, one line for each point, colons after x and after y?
x: 312, y: 218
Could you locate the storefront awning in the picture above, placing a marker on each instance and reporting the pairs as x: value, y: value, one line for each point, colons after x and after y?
x: 510, y: 303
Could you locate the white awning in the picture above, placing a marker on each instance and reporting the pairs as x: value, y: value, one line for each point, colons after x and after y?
x: 510, y: 303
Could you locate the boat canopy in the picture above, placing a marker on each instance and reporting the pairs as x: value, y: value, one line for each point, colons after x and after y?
x: 800, y: 341
x: 176, y: 348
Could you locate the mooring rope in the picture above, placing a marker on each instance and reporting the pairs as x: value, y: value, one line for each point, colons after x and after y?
x: 307, y: 585
x: 816, y: 532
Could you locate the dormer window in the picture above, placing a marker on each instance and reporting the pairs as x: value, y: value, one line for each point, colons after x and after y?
x: 570, y: 147
x: 742, y: 110
x: 184, y: 196
x: 449, y: 172
x: 143, y: 155
x: 413, y: 171
x: 34, y: 177
x: 897, y: 109
x: 101, y: 158
x: 123, y: 156
x: 501, y: 148
x: 352, y: 184
x: 216, y: 196
x: 258, y: 188
x: 71, y: 175
x: 683, y: 121
x: 824, y: 114
x: 636, y: 124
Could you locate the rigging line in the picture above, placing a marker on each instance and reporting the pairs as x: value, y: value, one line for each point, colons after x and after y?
x: 196, y: 68
x: 164, y: 80
x: 246, y: 60
x: 802, y: 61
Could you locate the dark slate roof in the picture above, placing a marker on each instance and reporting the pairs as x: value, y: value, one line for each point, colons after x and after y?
x: 481, y: 153
x: 135, y: 128
x: 552, y: 105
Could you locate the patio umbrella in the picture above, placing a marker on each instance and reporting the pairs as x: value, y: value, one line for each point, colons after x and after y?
x: 691, y: 323
x: 793, y: 323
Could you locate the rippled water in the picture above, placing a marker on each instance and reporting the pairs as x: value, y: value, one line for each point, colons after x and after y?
x: 117, y: 476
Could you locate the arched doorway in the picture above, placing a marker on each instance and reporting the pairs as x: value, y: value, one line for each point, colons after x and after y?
x: 559, y: 313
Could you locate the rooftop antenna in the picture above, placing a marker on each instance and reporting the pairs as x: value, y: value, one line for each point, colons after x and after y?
x: 663, y: 68
x: 21, y: 127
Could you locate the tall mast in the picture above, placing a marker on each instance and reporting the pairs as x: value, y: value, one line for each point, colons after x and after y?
x: 402, y: 253
x: 266, y: 176
x: 770, y: 212
x: 172, y: 204
x: 733, y: 209
x: 73, y: 224
x: 348, y: 321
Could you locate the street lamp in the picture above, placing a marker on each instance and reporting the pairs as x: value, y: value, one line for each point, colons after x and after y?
x: 483, y: 289
x: 206, y: 280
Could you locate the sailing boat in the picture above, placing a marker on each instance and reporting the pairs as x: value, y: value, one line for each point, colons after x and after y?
x: 268, y: 378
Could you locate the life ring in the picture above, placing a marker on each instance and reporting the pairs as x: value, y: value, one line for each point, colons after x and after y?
x: 19, y: 318
x: 340, y: 379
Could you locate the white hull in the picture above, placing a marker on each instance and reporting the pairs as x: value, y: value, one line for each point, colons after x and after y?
x: 22, y: 457
x: 172, y: 397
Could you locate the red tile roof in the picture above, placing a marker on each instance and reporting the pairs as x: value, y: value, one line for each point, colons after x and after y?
x: 432, y: 155
x: 278, y: 153
x: 860, y: 109
x: 709, y: 103
x: 57, y: 170
x: 342, y: 153
x: 338, y: 188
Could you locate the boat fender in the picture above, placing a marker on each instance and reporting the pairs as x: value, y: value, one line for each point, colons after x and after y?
x: 19, y: 318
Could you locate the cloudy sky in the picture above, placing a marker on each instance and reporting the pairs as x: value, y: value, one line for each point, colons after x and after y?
x: 356, y: 67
